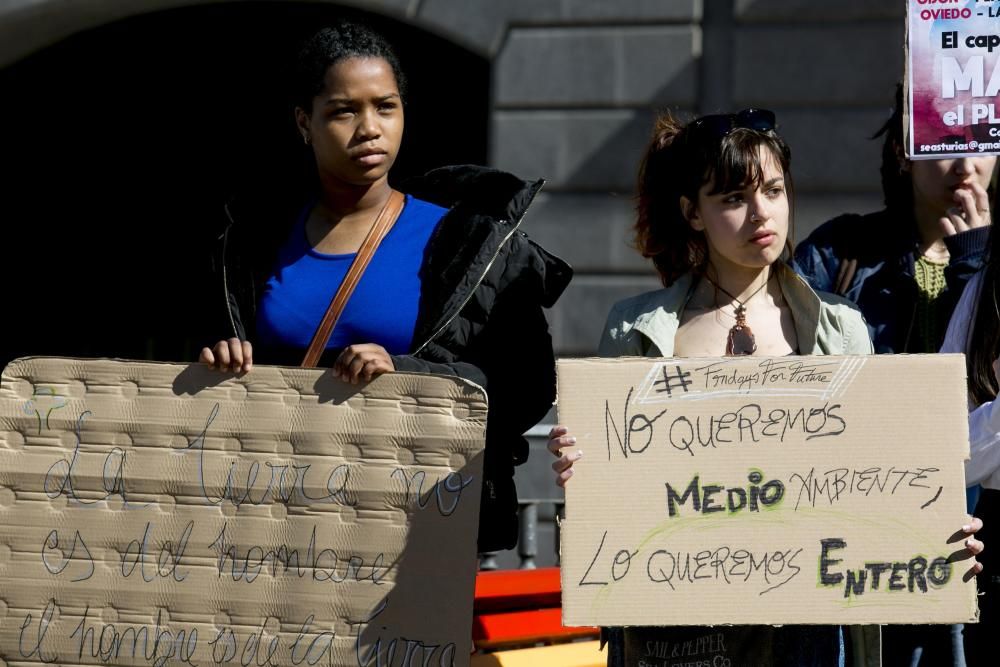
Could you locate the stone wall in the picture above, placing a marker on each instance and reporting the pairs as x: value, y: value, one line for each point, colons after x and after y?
x: 574, y: 102
x: 576, y: 84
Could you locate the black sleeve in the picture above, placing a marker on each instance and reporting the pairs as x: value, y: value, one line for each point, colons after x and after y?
x: 516, y: 348
x: 511, y: 358
x: 966, y: 252
x: 222, y: 305
x: 409, y: 363
x: 520, y: 366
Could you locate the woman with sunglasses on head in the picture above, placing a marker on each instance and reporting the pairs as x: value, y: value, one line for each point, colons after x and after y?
x: 905, y: 267
x: 714, y: 208
x: 454, y: 288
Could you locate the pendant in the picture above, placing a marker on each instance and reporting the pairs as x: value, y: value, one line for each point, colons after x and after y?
x: 740, y: 342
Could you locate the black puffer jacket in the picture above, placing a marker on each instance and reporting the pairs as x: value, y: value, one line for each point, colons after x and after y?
x: 484, y: 284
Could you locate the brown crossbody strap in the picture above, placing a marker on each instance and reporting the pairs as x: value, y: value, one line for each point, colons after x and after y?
x: 383, y: 223
x: 845, y: 276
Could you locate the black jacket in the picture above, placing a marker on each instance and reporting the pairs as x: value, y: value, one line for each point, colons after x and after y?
x: 883, y: 286
x: 484, y: 284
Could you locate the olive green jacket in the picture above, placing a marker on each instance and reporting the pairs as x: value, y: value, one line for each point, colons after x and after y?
x: 645, y: 325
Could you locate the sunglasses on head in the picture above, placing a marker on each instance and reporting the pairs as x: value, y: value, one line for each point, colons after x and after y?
x: 719, y: 125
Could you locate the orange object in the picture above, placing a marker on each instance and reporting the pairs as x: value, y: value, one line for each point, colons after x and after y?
x: 523, y: 607
x: 576, y: 654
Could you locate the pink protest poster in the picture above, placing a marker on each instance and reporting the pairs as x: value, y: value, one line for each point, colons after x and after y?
x: 953, y: 78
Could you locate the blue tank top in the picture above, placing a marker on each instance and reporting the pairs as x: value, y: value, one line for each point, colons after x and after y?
x: 383, y: 308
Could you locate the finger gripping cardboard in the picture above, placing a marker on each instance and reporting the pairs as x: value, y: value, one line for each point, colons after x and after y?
x: 163, y: 514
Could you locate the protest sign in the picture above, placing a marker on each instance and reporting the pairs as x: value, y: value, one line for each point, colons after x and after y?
x: 743, y: 490
x: 953, y: 78
x: 161, y: 514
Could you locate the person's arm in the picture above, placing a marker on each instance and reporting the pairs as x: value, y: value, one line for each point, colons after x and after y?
x: 817, y: 258
x: 984, y: 443
x: 967, y: 253
x: 856, y: 337
x: 966, y: 249
x: 956, y: 337
x: 515, y: 355
x: 231, y: 350
x: 407, y: 363
x: 984, y: 421
x: 363, y: 362
x: 511, y: 356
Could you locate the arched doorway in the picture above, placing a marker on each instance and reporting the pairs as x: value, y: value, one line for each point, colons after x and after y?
x: 122, y: 143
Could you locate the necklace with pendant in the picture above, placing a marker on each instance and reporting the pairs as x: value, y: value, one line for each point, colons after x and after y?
x: 740, y: 341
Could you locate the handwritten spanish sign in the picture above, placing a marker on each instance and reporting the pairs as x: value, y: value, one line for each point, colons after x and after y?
x: 160, y: 514
x: 745, y: 491
x: 953, y: 78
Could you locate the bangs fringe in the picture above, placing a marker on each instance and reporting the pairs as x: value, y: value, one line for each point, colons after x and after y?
x: 739, y: 164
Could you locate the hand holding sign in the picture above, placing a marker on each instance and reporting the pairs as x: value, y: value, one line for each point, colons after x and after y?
x: 559, y: 439
x: 231, y: 355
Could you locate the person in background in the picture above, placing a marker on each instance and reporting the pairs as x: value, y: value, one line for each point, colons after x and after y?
x: 905, y: 267
x: 714, y: 203
x: 454, y: 288
x: 975, y: 331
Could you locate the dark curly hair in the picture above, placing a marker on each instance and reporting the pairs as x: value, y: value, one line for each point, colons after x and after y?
x: 677, y: 163
x: 331, y: 45
x: 897, y: 184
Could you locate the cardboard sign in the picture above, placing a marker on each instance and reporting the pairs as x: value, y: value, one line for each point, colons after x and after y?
x: 953, y: 78
x: 751, y: 491
x: 160, y: 514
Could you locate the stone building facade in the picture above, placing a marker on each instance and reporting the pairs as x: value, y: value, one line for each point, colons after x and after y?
x: 575, y: 84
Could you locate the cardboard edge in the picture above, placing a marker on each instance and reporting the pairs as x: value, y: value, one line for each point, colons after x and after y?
x: 907, y: 84
x: 456, y: 379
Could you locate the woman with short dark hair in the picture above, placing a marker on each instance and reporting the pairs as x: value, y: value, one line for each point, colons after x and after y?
x: 905, y: 267
x: 713, y: 214
x: 454, y: 287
